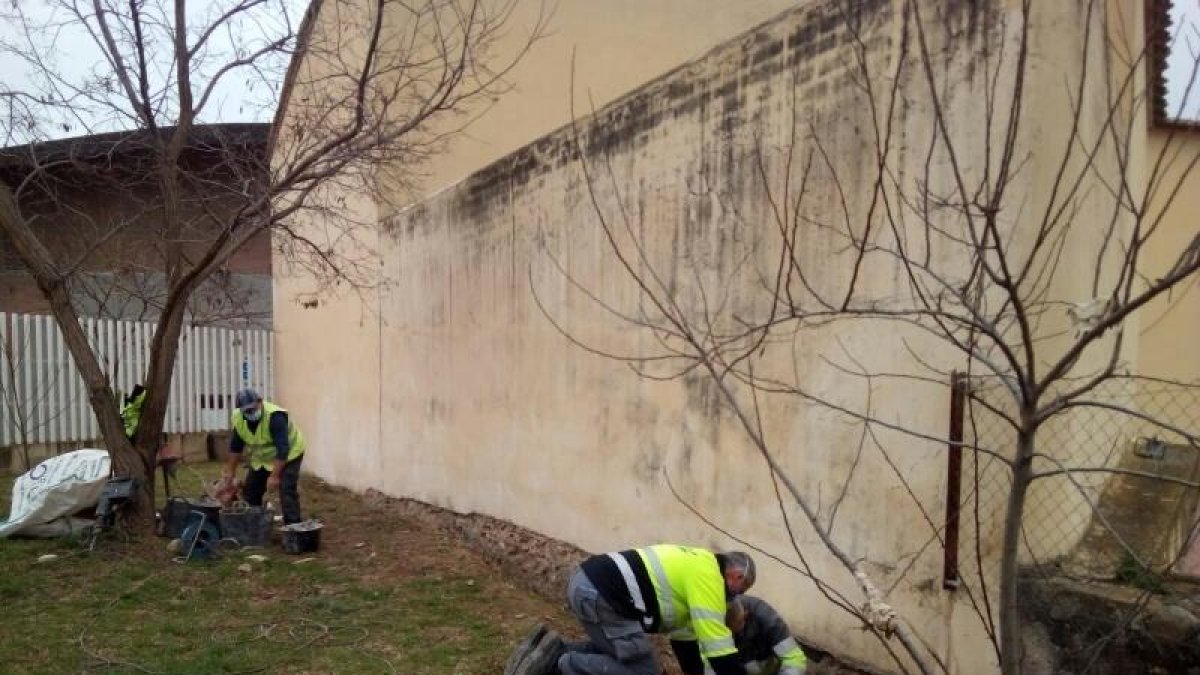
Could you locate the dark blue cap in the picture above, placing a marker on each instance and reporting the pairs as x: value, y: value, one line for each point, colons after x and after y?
x: 246, y: 398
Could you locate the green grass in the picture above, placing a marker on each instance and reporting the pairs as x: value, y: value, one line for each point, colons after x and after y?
x: 129, y: 608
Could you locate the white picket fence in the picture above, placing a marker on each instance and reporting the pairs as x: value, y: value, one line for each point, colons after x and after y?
x: 42, y: 393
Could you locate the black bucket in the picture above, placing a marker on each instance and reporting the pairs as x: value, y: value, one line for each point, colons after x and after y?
x: 247, y: 525
x: 302, y: 537
x: 175, y: 514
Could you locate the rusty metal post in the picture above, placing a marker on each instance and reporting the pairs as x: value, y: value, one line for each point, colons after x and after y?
x: 958, y: 401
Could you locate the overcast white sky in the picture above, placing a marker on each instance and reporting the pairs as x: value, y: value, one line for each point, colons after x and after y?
x: 244, y: 95
x: 234, y: 102
x: 1185, y: 26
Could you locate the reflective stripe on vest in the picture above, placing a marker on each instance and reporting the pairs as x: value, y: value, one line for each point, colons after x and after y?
x: 791, y: 657
x: 717, y: 645
x: 785, y: 647
x: 701, y: 613
x: 666, y: 605
x: 635, y: 591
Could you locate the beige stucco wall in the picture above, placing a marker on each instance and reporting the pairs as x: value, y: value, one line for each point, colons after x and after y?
x: 615, y: 46
x: 489, y: 408
x: 327, y: 332
x: 1171, y: 325
x: 451, y: 386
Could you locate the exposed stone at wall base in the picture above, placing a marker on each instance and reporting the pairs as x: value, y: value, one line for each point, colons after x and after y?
x: 540, y: 563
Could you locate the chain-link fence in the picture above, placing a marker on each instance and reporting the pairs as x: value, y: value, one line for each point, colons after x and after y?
x: 1114, y: 469
x: 1107, y: 524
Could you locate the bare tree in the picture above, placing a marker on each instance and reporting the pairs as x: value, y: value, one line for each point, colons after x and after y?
x: 370, y: 83
x: 983, y: 230
x: 134, y: 293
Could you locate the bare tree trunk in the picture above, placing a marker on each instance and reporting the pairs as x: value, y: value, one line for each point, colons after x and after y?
x: 100, y: 394
x: 163, y: 350
x: 157, y: 379
x: 1010, y: 614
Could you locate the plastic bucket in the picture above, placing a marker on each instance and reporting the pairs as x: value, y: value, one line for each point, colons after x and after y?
x: 175, y: 514
x: 247, y: 525
x: 302, y: 537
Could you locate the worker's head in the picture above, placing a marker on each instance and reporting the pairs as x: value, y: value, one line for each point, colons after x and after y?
x: 735, y: 615
x: 738, y: 569
x: 250, y: 403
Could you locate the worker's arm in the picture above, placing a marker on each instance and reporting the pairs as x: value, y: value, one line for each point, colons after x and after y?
x: 706, y: 608
x: 687, y: 652
x: 236, y: 446
x: 279, y: 436
x: 792, y: 660
x: 727, y: 665
x: 776, y: 633
x: 276, y: 477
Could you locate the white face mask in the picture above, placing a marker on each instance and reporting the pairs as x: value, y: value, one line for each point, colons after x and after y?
x: 253, y: 415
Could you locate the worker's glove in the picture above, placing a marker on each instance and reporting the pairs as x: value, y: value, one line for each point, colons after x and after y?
x: 226, y: 490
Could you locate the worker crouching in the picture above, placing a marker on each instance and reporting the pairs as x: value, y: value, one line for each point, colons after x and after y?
x: 621, y: 597
x: 274, y: 447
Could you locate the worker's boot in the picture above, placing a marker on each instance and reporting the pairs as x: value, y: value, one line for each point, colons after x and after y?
x: 517, y: 659
x: 537, y: 654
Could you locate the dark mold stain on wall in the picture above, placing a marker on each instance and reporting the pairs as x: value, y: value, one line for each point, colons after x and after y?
x: 715, y: 83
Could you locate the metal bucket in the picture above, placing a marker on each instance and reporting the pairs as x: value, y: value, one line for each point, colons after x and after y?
x: 302, y: 537
x: 247, y: 525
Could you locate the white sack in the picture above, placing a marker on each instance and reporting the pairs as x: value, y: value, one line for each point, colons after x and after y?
x: 54, y: 490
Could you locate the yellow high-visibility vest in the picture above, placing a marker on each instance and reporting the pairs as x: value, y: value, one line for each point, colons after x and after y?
x: 691, y: 596
x: 131, y: 413
x: 260, y: 447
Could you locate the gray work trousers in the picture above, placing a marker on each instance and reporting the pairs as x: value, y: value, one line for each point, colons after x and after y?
x: 618, y: 646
